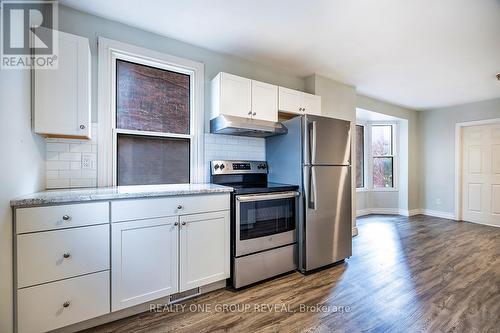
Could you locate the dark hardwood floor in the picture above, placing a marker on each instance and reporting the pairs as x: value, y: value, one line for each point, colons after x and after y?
x: 418, y: 274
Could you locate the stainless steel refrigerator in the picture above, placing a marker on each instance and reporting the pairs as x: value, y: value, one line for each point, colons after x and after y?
x: 316, y: 155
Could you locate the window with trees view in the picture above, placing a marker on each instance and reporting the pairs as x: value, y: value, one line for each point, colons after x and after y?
x: 382, y: 152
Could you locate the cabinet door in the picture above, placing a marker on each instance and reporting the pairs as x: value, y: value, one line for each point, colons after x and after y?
x: 204, y: 249
x: 235, y: 95
x: 144, y: 261
x: 290, y: 100
x: 62, y: 96
x: 311, y: 104
x: 264, y: 101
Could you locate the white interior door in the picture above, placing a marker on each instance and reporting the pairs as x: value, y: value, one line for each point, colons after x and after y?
x: 481, y: 174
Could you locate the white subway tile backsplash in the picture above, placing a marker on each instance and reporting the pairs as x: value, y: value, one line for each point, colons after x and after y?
x: 57, y: 165
x: 64, y: 162
x: 80, y: 148
x: 70, y: 156
x: 57, y: 146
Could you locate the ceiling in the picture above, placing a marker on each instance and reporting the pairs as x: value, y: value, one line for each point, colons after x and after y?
x: 365, y: 115
x: 416, y: 53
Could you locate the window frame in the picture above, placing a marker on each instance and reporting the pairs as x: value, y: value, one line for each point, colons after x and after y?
x: 365, y: 159
x: 108, y: 52
x: 368, y: 156
x: 394, y: 155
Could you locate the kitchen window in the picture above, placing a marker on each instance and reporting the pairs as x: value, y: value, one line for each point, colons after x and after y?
x: 150, y: 117
x: 360, y: 156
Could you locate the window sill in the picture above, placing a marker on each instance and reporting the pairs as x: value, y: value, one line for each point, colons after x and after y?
x: 389, y: 189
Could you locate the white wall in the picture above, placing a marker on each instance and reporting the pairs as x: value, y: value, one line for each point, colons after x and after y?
x: 22, y: 171
x: 437, y: 134
x: 412, y: 142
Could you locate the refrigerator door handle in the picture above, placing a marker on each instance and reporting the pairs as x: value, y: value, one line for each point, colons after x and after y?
x: 313, y: 150
x: 311, y: 202
x: 311, y: 142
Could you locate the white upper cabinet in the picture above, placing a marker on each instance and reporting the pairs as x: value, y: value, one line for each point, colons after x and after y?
x: 264, y: 101
x: 61, y: 97
x: 298, y: 102
x: 238, y: 96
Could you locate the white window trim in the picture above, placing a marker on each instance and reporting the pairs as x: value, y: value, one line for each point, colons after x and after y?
x: 369, y: 157
x: 110, y: 50
x: 365, y: 158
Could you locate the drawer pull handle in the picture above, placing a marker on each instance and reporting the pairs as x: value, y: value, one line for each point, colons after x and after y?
x: 179, y: 206
x: 66, y: 217
x: 66, y: 255
x: 66, y: 304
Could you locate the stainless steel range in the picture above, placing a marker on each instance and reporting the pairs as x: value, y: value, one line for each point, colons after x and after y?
x: 263, y: 221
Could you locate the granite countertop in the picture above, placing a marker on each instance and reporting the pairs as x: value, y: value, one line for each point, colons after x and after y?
x: 53, y: 197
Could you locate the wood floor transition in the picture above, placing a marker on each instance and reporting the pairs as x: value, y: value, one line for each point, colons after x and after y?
x: 418, y: 274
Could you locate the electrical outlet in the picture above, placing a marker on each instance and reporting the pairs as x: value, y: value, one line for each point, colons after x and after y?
x: 88, y: 161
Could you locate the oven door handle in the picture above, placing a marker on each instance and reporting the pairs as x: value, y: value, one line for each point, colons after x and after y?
x: 260, y: 197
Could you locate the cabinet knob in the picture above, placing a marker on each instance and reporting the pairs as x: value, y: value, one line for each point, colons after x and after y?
x: 183, y: 223
x: 66, y: 217
x: 82, y: 126
x: 179, y: 207
x: 66, y: 304
x: 66, y: 255
x: 176, y: 223
x: 249, y: 113
x: 303, y: 109
x: 253, y: 114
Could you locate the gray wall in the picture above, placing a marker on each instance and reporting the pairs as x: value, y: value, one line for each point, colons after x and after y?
x: 22, y: 170
x: 437, y: 135
x: 90, y: 26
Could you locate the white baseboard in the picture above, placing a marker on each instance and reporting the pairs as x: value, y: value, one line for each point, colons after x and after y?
x: 404, y: 212
x: 381, y: 211
x: 436, y: 213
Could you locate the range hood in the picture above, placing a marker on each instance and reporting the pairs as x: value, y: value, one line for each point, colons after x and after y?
x: 241, y: 126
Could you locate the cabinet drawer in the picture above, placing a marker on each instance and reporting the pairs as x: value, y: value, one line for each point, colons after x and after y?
x: 53, y: 255
x: 42, y: 308
x: 126, y: 210
x: 58, y: 217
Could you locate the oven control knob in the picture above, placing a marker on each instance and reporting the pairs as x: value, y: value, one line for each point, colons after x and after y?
x: 222, y: 166
x: 264, y: 166
x: 216, y: 166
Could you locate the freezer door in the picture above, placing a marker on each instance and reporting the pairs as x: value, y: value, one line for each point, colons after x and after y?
x: 327, y: 141
x: 328, y: 215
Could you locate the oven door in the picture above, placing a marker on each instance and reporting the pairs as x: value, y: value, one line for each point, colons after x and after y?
x: 265, y: 221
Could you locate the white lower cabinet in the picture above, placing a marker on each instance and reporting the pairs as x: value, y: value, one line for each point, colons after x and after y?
x: 204, y: 249
x: 154, y: 258
x: 53, y: 305
x: 144, y: 261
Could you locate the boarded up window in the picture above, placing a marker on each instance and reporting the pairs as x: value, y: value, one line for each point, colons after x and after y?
x: 150, y: 99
